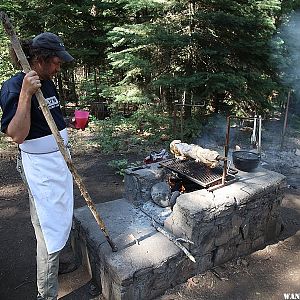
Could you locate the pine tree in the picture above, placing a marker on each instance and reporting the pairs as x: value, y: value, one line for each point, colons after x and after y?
x: 216, y: 50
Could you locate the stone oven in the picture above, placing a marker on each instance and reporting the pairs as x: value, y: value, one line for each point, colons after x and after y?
x: 221, y: 224
x: 233, y: 220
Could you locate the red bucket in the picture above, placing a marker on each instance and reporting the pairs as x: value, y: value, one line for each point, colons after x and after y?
x: 81, y: 118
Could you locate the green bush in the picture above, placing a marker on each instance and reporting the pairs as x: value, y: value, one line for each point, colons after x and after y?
x: 140, y: 132
x: 121, y: 165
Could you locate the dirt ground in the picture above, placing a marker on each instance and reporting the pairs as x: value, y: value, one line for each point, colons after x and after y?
x: 265, y: 274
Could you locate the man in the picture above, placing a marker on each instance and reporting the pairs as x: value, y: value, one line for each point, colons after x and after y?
x: 42, y: 166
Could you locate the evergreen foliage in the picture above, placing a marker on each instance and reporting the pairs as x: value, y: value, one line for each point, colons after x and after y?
x: 163, y: 53
x: 6, y: 68
x: 213, y: 50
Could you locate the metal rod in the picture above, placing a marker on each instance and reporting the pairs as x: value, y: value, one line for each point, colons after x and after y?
x: 226, y: 151
x: 181, y: 116
x: 242, y: 118
x: 173, y: 239
x: 285, y: 118
x: 175, y: 120
x: 259, y: 136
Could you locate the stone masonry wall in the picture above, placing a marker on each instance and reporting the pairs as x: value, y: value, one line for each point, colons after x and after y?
x: 233, y: 221
x: 229, y: 222
x: 226, y: 223
x: 139, y: 181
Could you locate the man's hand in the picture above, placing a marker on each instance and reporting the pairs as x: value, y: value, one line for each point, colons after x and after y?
x: 19, y: 126
x: 31, y: 83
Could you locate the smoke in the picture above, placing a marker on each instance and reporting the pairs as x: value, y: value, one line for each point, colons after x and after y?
x: 213, y: 134
x: 287, y: 54
x: 286, y: 57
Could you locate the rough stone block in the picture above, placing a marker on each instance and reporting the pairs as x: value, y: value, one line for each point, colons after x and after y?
x: 224, y: 234
x: 223, y: 254
x: 139, y: 181
x: 273, y: 228
x: 205, y: 243
x: 243, y: 249
x: 258, y: 243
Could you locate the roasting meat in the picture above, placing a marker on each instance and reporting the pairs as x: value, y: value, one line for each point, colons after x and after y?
x: 183, y: 151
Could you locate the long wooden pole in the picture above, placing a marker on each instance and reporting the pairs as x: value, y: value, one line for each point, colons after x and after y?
x: 44, y: 107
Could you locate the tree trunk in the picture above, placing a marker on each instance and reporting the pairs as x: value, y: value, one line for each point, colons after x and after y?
x: 73, y: 87
x: 187, y: 108
x: 61, y: 93
x: 96, y: 85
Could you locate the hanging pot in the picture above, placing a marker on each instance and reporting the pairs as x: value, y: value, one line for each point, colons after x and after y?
x: 245, y: 160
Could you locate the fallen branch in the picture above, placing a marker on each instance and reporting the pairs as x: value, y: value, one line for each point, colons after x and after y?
x: 173, y: 239
x: 60, y: 143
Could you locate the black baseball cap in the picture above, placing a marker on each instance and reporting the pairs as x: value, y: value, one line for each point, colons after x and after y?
x: 51, y: 41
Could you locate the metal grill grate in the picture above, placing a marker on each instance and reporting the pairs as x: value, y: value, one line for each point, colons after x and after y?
x: 197, y: 172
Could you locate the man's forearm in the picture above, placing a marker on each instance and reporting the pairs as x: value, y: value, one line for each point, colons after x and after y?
x: 19, y: 126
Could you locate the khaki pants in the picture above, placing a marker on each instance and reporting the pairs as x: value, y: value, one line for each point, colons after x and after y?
x: 47, y: 264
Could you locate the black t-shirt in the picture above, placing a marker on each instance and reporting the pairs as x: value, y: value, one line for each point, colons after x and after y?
x: 9, y: 98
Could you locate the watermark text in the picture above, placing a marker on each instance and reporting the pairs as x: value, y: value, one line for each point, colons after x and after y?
x: 291, y: 296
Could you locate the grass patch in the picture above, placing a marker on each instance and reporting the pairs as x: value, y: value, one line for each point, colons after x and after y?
x: 120, y: 165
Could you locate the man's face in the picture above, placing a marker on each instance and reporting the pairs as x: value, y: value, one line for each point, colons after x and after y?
x: 48, y: 69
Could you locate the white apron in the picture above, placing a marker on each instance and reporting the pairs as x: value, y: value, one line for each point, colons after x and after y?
x: 51, y: 185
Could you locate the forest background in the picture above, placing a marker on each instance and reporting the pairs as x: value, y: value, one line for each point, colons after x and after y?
x: 153, y: 70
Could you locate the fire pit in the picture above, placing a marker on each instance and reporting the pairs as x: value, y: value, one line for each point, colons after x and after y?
x: 220, y: 218
x: 231, y: 221
x: 209, y: 178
